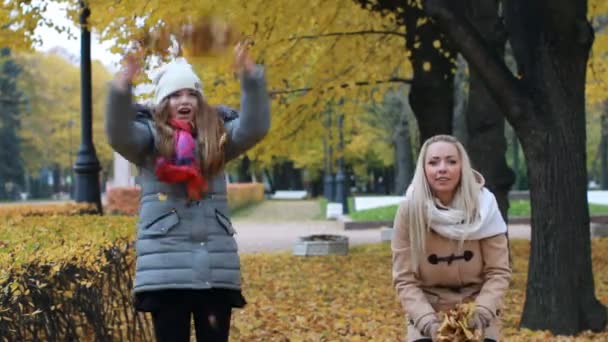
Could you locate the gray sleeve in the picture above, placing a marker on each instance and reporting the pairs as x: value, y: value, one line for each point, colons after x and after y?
x: 130, y: 138
x: 254, y: 119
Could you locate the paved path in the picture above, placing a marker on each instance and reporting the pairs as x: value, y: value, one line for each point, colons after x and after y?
x: 281, y: 210
x: 281, y: 235
x: 275, y: 225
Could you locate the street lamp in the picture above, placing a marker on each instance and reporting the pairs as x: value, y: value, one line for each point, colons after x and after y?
x: 328, y: 179
x: 604, y: 152
x: 87, y: 165
x: 341, y: 181
x: 71, y: 124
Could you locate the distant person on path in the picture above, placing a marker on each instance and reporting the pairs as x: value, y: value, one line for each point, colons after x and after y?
x: 187, y: 259
x: 450, y: 243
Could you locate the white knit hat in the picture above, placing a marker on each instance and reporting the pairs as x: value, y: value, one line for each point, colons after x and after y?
x: 175, y: 76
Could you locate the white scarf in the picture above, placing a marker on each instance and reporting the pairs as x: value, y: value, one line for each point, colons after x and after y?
x: 448, y: 222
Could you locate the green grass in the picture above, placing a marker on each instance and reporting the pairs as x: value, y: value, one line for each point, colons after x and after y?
x: 323, y: 211
x: 518, y: 208
x: 376, y: 214
x: 521, y: 208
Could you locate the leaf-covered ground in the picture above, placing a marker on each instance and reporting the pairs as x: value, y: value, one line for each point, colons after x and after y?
x: 350, y: 298
x: 332, y: 298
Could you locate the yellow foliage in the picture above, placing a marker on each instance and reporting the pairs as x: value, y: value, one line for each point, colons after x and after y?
x: 19, y: 20
x: 313, y: 53
x: 310, y: 50
x: 243, y: 194
x: 596, y: 90
x: 597, y: 7
x: 24, y: 210
x: 50, y: 124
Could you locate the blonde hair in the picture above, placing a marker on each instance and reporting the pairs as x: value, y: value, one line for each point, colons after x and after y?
x: 420, y: 195
x: 210, y: 135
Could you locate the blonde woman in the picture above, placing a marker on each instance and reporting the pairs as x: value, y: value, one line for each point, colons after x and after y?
x: 187, y: 259
x: 450, y: 243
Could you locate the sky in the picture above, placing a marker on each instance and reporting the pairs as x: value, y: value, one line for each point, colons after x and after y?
x: 51, y: 39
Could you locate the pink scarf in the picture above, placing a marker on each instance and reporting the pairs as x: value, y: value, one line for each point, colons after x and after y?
x: 183, y: 166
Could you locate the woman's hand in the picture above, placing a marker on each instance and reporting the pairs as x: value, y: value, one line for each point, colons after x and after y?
x: 430, y: 329
x: 242, y: 61
x: 433, y: 331
x: 479, y: 320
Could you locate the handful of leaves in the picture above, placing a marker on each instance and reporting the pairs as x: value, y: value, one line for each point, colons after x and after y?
x: 195, y: 37
x: 455, y: 325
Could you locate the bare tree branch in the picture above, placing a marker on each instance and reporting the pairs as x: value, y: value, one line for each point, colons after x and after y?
x: 353, y: 33
x: 504, y: 87
x: 344, y: 85
x: 8, y: 100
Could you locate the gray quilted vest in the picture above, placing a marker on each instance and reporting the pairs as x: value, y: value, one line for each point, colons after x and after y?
x: 183, y: 244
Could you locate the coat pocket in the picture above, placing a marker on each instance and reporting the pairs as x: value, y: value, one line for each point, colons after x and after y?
x: 160, y: 225
x: 224, y: 222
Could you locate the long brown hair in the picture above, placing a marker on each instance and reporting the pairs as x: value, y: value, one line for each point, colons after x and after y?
x: 210, y: 135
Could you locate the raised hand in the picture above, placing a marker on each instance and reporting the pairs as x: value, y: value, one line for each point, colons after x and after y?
x: 242, y: 61
x: 131, y: 68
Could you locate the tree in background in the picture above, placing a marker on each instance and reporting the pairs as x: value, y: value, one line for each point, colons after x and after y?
x: 11, y: 106
x: 392, y: 122
x: 597, y: 96
x: 51, y: 122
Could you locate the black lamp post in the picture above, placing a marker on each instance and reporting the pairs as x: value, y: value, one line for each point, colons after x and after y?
x: 328, y: 179
x: 341, y: 181
x: 87, y: 165
x: 604, y: 152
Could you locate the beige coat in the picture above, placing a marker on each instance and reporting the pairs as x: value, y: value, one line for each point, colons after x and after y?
x: 441, y: 283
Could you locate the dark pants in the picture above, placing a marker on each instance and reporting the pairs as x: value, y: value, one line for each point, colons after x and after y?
x: 211, y: 322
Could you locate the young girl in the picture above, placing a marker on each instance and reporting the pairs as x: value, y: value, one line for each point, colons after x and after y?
x: 187, y: 260
x: 450, y: 244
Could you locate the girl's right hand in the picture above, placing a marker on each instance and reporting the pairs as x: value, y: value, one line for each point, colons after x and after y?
x: 131, y: 67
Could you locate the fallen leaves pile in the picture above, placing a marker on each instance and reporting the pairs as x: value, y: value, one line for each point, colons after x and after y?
x: 329, y: 298
x: 196, y: 37
x: 351, y: 298
x: 51, y: 209
x: 455, y: 325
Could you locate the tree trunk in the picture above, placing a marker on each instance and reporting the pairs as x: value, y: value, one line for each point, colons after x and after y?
x: 461, y: 95
x: 546, y: 107
x: 560, y: 292
x: 404, y: 161
x: 485, y: 123
x: 432, y: 89
x: 244, y: 174
x: 553, y: 58
x: 515, y: 151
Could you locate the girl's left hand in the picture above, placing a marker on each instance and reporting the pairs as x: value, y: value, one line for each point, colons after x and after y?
x: 242, y: 61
